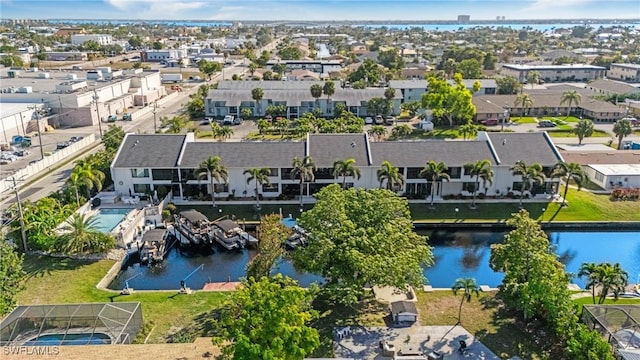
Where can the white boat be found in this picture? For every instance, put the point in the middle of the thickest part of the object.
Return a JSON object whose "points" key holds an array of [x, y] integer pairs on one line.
{"points": [[230, 235], [193, 226], [297, 239], [153, 246]]}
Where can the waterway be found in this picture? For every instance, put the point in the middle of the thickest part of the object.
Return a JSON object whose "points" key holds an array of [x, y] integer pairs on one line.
{"points": [[457, 254]]}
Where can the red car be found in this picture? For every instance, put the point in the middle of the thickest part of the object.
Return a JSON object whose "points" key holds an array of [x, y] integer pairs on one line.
{"points": [[490, 122]]}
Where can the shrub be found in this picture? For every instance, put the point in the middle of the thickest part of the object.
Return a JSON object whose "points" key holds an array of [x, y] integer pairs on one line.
{"points": [[171, 207], [625, 194]]}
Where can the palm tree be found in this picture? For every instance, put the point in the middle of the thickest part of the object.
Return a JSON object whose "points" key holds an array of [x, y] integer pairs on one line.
{"points": [[401, 131], [316, 92], [224, 133], [377, 131], [530, 175], [449, 67], [584, 128], [622, 128], [80, 234], [570, 97], [525, 101], [614, 279], [261, 176], [175, 124], [468, 130], [304, 169], [533, 77], [469, 287], [389, 95], [434, 172], [83, 174], [571, 171], [590, 270], [480, 170], [213, 170], [346, 168], [257, 94], [329, 89], [391, 175]]}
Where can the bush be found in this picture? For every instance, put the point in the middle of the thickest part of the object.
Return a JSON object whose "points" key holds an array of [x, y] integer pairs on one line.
{"points": [[146, 329], [171, 207], [625, 194]]}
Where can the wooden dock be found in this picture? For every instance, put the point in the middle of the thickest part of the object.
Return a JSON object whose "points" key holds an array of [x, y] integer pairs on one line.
{"points": [[221, 286]]}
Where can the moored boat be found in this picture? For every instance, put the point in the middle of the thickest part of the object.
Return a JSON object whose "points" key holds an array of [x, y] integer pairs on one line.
{"points": [[193, 226], [153, 247], [231, 236]]}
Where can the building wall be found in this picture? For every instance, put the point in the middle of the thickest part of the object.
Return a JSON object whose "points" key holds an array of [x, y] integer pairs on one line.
{"points": [[605, 181], [101, 39], [624, 72], [14, 124], [556, 75]]}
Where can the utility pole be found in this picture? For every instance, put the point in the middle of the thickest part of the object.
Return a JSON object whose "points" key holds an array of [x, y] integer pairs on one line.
{"points": [[154, 111], [95, 100], [38, 117], [23, 234]]}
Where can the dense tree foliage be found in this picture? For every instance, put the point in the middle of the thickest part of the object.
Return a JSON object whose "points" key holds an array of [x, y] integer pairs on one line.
{"points": [[508, 85], [11, 274], [361, 237], [451, 103], [81, 235], [290, 53], [368, 73], [268, 319], [584, 128], [588, 344], [391, 59], [470, 69], [272, 234]]}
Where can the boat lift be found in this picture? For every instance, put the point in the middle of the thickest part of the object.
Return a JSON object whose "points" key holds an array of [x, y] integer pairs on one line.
{"points": [[183, 283], [127, 290]]}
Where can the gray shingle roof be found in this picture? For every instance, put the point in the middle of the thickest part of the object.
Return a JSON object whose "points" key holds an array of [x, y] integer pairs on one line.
{"points": [[328, 148], [161, 151], [417, 153], [293, 97], [612, 86], [269, 85], [528, 147], [243, 154], [399, 307]]}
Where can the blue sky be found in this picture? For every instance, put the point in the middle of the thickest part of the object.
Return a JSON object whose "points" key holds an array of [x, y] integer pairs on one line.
{"points": [[317, 9]]}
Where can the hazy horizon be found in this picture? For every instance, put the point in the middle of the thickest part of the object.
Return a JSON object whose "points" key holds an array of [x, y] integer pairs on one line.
{"points": [[319, 10]]}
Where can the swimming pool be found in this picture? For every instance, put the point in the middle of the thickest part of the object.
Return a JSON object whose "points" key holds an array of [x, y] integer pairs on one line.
{"points": [[69, 339], [108, 219]]}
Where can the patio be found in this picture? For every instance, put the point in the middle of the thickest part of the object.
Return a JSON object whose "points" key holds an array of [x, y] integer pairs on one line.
{"points": [[364, 343]]}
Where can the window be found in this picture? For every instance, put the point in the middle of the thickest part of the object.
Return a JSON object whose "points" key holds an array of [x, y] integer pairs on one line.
{"points": [[273, 171], [270, 188], [164, 174], [286, 173], [455, 172], [139, 173], [599, 176], [221, 188], [469, 186], [413, 173], [141, 188]]}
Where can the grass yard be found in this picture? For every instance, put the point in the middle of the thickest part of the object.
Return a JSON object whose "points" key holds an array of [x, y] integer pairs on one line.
{"points": [[486, 319], [569, 119], [446, 133], [523, 120], [53, 280], [562, 132], [257, 136]]}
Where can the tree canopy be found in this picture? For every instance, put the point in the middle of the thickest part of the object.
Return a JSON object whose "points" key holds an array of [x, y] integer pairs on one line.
{"points": [[268, 319], [368, 72], [11, 274], [449, 102], [361, 237]]}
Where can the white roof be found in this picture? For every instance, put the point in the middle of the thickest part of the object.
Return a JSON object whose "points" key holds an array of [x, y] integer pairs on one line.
{"points": [[8, 109], [617, 169]]}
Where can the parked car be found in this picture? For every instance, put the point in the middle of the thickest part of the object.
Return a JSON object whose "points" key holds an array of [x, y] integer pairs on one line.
{"points": [[546, 123], [389, 120], [75, 138], [126, 117], [490, 122], [368, 120], [379, 119], [112, 118], [237, 121], [228, 120], [62, 145], [207, 121]]}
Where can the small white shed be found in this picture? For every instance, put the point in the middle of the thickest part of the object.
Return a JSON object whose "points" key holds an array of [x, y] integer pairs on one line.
{"points": [[404, 312]]}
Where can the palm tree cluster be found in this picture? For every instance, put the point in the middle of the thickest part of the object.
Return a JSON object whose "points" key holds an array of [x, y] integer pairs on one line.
{"points": [[606, 277], [85, 176], [212, 170]]}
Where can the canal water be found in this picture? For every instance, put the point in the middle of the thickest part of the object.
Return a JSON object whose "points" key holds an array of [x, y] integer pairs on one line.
{"points": [[456, 253]]}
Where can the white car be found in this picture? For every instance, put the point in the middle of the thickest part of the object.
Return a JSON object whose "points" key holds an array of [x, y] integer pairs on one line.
{"points": [[368, 120], [228, 120]]}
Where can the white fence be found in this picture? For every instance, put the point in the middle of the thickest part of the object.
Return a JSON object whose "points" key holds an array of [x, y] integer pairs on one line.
{"points": [[48, 161]]}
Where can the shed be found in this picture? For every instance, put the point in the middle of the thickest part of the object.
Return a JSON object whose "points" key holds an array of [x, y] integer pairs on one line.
{"points": [[404, 311]]}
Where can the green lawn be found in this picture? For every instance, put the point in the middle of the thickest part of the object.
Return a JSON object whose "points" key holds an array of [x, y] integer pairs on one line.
{"points": [[523, 119], [569, 119], [565, 131], [609, 301], [257, 136], [53, 281], [583, 206], [437, 133]]}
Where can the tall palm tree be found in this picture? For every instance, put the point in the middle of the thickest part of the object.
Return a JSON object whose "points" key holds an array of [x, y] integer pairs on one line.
{"points": [[570, 97], [316, 92], [391, 175], [584, 128], [622, 128], [83, 174], [80, 234], [175, 124], [613, 279], [346, 168], [434, 172], [260, 176], [533, 77], [257, 94], [570, 171], [213, 170], [525, 101], [590, 270], [480, 170], [469, 287], [304, 169], [530, 174], [329, 89]]}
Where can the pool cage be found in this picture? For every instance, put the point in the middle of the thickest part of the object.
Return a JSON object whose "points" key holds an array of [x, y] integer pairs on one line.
{"points": [[72, 324], [617, 323]]}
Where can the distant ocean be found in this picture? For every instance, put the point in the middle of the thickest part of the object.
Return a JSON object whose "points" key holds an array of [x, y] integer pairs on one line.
{"points": [[430, 27]]}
